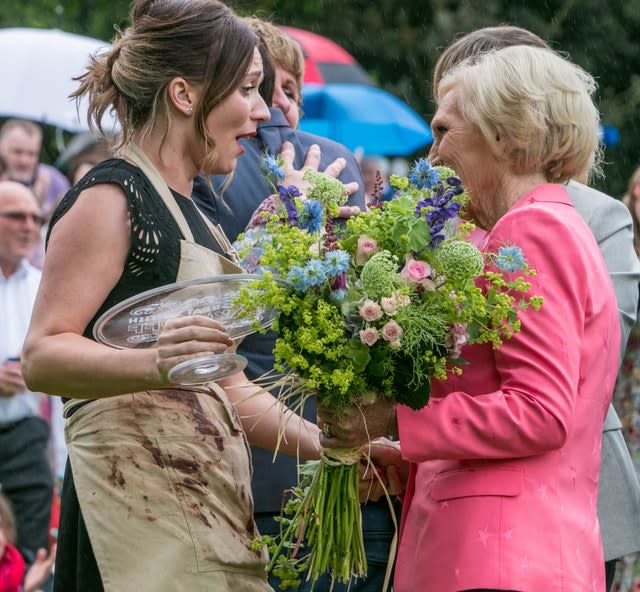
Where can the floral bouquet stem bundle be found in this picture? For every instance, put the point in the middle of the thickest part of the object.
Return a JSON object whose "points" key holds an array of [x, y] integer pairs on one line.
{"points": [[377, 308]]}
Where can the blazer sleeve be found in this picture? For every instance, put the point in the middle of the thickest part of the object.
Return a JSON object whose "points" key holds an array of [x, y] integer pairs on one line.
{"points": [[613, 229], [538, 370]]}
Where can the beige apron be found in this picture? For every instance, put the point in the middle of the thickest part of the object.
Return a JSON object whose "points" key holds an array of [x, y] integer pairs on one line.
{"points": [[164, 477]]}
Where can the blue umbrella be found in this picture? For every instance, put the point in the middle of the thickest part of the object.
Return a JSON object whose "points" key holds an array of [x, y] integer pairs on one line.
{"points": [[363, 117]]}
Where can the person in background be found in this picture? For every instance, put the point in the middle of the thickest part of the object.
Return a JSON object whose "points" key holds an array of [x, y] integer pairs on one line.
{"points": [[612, 227], [85, 151], [20, 145], [627, 399], [504, 460], [632, 200], [13, 574], [151, 461], [25, 471], [247, 189]]}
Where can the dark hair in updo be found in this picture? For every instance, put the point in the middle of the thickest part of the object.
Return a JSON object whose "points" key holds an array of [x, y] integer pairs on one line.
{"points": [[202, 41]]}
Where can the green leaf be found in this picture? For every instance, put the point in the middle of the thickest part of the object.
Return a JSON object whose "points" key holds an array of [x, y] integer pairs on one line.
{"points": [[359, 354]]}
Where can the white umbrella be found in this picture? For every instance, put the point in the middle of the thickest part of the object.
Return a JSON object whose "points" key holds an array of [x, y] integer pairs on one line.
{"points": [[37, 71]]}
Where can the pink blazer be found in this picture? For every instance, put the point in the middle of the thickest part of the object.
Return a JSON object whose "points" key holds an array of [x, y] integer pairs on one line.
{"points": [[505, 458]]}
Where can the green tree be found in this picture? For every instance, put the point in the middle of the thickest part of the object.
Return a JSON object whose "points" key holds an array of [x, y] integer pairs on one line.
{"points": [[93, 18]]}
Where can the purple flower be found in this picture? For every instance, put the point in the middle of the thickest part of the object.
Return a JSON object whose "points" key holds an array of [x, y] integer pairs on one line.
{"points": [[286, 197], [438, 209]]}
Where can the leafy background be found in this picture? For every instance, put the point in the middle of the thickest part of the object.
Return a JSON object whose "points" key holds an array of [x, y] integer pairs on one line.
{"points": [[398, 41]]}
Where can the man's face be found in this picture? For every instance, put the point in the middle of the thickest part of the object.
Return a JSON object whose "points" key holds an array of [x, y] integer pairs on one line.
{"points": [[21, 151], [20, 223]]}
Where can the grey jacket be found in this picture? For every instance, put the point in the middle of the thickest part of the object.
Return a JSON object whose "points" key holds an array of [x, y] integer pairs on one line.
{"points": [[619, 493]]}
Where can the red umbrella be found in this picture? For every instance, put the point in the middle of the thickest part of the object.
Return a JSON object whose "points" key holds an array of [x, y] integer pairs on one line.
{"points": [[325, 61]]}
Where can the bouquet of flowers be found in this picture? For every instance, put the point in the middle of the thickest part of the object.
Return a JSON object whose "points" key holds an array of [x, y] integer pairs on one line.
{"points": [[373, 308]]}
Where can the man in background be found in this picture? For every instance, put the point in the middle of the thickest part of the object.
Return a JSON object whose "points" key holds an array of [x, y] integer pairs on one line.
{"points": [[20, 146], [25, 471]]}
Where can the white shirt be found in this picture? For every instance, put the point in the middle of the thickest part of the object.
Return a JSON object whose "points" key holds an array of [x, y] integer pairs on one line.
{"points": [[17, 295]]}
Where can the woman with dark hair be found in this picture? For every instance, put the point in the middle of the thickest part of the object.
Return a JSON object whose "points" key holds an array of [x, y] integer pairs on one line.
{"points": [[157, 492]]}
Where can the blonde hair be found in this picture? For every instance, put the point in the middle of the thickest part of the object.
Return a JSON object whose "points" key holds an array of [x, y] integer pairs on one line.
{"points": [[202, 41], [283, 49], [533, 106]]}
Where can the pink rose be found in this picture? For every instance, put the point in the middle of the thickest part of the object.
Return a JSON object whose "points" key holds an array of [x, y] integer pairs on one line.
{"points": [[401, 299], [391, 331], [456, 339], [416, 271], [366, 247], [370, 311], [369, 336], [389, 305]]}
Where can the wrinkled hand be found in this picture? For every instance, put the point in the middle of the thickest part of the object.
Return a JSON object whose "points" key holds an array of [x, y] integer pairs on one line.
{"points": [[40, 570], [11, 381], [187, 337], [295, 176], [385, 474], [357, 426]]}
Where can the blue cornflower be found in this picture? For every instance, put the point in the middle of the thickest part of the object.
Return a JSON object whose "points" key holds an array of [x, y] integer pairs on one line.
{"points": [[311, 218], [314, 273], [272, 165], [423, 175], [510, 258], [336, 262], [297, 279], [286, 197]]}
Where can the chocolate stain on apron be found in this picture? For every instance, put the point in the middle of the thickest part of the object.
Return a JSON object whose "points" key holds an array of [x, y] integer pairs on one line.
{"points": [[163, 477]]}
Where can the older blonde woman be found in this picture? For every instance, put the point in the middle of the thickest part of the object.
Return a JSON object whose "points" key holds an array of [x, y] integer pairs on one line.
{"points": [[504, 461]]}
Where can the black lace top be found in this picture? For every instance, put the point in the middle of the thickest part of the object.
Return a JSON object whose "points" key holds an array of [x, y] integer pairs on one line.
{"points": [[154, 256]]}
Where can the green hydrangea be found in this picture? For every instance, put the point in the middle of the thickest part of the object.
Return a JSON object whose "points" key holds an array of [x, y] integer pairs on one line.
{"points": [[378, 277], [459, 261], [329, 191]]}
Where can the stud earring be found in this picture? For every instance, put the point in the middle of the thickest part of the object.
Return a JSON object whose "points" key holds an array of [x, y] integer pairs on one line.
{"points": [[189, 110]]}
